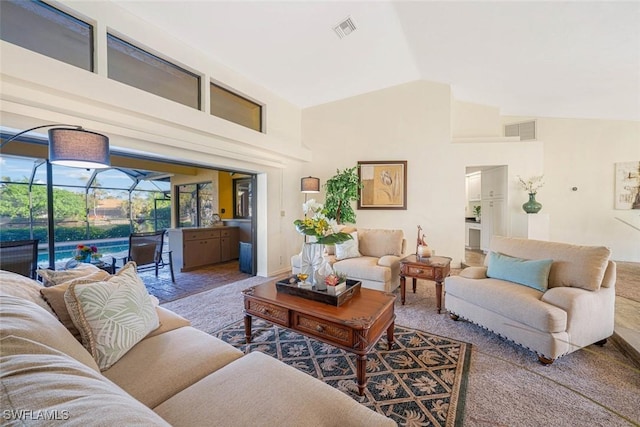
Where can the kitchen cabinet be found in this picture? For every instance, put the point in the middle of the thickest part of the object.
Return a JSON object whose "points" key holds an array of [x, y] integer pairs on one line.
{"points": [[229, 244], [473, 231], [474, 187], [494, 183], [493, 205], [494, 221], [197, 247]]}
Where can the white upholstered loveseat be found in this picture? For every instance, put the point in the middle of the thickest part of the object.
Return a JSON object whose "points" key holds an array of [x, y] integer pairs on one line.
{"points": [[377, 264], [176, 375], [576, 309]]}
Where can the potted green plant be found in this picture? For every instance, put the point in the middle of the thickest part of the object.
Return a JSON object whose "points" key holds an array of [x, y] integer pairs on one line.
{"points": [[476, 212], [341, 190]]}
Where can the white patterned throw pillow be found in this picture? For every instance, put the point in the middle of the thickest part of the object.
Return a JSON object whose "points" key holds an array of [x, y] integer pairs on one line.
{"points": [[112, 316], [349, 248]]}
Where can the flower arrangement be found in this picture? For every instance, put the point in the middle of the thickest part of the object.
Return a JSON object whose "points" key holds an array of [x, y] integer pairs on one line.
{"points": [[317, 224], [85, 251], [531, 185], [334, 279]]}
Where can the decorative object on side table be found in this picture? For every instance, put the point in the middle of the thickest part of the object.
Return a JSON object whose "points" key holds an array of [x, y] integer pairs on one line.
{"points": [[531, 186], [325, 231], [87, 253], [422, 249]]}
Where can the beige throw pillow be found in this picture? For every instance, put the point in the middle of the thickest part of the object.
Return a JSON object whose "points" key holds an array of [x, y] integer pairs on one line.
{"points": [[380, 242], [57, 277], [54, 295], [112, 316]]}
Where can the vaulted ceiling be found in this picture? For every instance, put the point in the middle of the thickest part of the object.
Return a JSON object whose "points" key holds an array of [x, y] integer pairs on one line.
{"points": [[555, 59]]}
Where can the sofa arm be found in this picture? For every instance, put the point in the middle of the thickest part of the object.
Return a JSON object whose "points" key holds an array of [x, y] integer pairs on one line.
{"points": [[389, 260], [474, 273], [590, 314]]}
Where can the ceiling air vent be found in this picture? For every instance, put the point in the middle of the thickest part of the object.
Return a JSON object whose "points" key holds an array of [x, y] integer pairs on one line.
{"points": [[525, 130], [344, 28]]}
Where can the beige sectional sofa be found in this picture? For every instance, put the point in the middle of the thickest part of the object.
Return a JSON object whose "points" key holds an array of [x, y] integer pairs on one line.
{"points": [[574, 310], [377, 260], [176, 375]]}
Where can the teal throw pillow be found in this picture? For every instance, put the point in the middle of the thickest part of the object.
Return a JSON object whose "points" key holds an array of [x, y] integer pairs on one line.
{"points": [[532, 273]]}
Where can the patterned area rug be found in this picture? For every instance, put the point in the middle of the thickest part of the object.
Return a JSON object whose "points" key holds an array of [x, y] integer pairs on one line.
{"points": [[421, 381]]}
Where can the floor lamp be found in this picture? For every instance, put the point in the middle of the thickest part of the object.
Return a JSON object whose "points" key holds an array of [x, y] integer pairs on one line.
{"points": [[70, 145], [308, 185]]}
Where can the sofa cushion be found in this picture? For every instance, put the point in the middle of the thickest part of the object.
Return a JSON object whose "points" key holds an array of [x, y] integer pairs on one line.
{"points": [[168, 322], [379, 242], [22, 318], [266, 392], [348, 249], [112, 316], [43, 382], [519, 303], [13, 284], [172, 362], [532, 273], [56, 277], [363, 268], [575, 266]]}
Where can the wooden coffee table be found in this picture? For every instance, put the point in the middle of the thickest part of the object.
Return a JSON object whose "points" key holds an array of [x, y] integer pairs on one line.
{"points": [[435, 268], [355, 326]]}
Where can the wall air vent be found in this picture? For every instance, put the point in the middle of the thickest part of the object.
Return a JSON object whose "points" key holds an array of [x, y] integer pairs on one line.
{"points": [[525, 130], [345, 27]]}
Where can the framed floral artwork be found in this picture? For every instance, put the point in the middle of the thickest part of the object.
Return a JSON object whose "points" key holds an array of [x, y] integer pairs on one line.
{"points": [[383, 184], [627, 189]]}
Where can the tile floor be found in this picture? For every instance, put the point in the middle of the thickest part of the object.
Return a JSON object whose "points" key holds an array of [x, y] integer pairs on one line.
{"points": [[191, 282]]}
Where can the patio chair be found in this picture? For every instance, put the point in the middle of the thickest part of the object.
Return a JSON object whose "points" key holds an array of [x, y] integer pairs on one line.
{"points": [[145, 249], [20, 257]]}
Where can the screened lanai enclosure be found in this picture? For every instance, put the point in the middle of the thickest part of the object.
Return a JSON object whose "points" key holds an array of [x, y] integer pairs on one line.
{"points": [[64, 207]]}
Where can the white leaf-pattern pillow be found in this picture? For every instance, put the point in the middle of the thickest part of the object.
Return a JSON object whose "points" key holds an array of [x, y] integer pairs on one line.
{"points": [[349, 248], [112, 316]]}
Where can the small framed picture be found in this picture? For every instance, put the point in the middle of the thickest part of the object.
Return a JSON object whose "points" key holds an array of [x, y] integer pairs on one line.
{"points": [[383, 184]]}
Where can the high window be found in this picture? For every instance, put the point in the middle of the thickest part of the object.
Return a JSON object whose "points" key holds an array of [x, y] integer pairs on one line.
{"points": [[135, 67], [36, 26], [230, 106]]}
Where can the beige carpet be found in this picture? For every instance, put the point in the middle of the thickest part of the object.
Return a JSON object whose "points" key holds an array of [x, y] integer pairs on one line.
{"points": [[507, 386]]}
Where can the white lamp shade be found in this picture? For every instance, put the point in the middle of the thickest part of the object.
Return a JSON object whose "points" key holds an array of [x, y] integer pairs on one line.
{"points": [[310, 185], [78, 148]]}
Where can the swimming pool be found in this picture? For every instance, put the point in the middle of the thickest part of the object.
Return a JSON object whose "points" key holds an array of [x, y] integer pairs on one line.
{"points": [[65, 252]]}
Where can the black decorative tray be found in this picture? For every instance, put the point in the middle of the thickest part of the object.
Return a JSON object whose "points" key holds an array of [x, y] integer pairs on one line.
{"points": [[290, 286]]}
